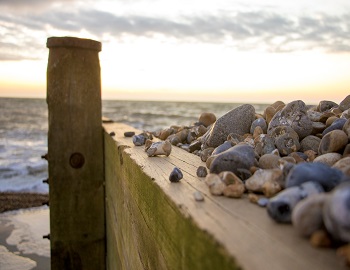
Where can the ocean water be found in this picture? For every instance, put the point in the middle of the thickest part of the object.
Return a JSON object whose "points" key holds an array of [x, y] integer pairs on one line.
{"points": [[24, 125]]}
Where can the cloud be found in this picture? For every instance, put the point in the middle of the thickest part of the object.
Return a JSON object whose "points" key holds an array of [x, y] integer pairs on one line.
{"points": [[261, 30]]}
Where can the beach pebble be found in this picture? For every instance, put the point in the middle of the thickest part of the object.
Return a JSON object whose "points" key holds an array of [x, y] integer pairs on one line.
{"points": [[320, 239], [253, 198], [175, 175], [286, 139], [207, 119], [343, 165], [280, 207], [262, 202], [129, 133], [345, 114], [158, 148], [269, 161], [336, 213], [215, 184], [323, 174], [326, 105], [206, 153], [330, 158], [237, 121], [346, 128], [235, 190], [310, 142], [222, 147], [307, 214], [198, 196], [333, 141], [202, 171], [317, 128], [236, 158], [345, 104], [257, 181], [337, 124], [195, 145], [139, 140], [264, 144], [294, 114], [260, 122]]}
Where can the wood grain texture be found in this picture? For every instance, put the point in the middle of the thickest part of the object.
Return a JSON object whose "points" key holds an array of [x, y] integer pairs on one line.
{"points": [[75, 156], [155, 224]]}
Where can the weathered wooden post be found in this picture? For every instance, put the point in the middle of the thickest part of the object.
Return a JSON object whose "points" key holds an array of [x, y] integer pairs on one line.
{"points": [[75, 154]]}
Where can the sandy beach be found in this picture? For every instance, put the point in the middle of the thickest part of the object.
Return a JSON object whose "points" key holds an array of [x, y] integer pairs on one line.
{"points": [[24, 220]]}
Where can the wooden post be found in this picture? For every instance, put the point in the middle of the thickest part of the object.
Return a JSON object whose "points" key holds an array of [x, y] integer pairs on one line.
{"points": [[75, 154]]}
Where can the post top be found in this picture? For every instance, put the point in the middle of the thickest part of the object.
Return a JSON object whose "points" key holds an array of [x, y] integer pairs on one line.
{"points": [[82, 43]]}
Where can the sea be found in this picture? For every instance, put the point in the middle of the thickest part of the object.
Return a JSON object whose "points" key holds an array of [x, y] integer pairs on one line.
{"points": [[24, 127]]}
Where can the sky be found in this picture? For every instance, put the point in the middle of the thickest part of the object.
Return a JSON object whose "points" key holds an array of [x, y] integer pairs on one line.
{"points": [[190, 50]]}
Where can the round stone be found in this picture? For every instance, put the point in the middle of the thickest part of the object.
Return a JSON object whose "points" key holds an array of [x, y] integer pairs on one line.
{"points": [[334, 141], [207, 118]]}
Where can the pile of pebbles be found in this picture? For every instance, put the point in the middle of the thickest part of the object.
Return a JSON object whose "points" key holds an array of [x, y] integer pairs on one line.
{"points": [[293, 159]]}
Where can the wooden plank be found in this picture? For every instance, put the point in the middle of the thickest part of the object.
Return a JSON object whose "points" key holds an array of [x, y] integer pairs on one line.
{"points": [[158, 224], [75, 155]]}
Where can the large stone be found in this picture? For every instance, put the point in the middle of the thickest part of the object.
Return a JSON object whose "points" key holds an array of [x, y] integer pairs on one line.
{"points": [[325, 175], [294, 114], [334, 141], [238, 120], [236, 159]]}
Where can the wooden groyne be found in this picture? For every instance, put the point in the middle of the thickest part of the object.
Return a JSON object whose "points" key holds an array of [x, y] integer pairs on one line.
{"points": [[113, 207]]}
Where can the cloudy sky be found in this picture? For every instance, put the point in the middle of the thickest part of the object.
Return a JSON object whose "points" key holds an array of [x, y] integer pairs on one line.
{"points": [[222, 50]]}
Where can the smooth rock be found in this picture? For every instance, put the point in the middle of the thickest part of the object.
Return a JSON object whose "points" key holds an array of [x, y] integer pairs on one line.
{"points": [[195, 145], [326, 105], [175, 175], [330, 120], [280, 207], [202, 171], [269, 161], [337, 124], [236, 158], [139, 139], [222, 147], [346, 128], [215, 184], [159, 148], [334, 141], [207, 119], [238, 120], [129, 134], [294, 114], [256, 182], [310, 142], [343, 165], [317, 127], [345, 103], [235, 190], [286, 139], [307, 214], [330, 158], [198, 196], [206, 153], [260, 122], [323, 174], [336, 213]]}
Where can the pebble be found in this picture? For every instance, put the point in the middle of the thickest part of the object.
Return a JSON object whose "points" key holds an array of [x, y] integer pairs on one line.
{"points": [[307, 214], [346, 128], [198, 196], [320, 239], [236, 158], [260, 122], [235, 190], [222, 147], [112, 133], [139, 140], [343, 165], [323, 174], [337, 124], [294, 114], [237, 121], [262, 202], [286, 139], [175, 175], [280, 207], [129, 133], [215, 184], [345, 103], [333, 141], [259, 179], [158, 148], [310, 142], [207, 119], [330, 158], [326, 105], [336, 213], [269, 161], [253, 198], [206, 153], [202, 171], [264, 144]]}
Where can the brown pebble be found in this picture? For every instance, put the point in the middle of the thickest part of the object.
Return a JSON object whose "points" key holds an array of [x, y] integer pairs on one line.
{"points": [[207, 119], [253, 198], [344, 252], [320, 239], [129, 133], [202, 171]]}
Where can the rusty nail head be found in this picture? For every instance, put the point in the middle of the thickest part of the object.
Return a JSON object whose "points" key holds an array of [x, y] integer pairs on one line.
{"points": [[77, 160]]}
